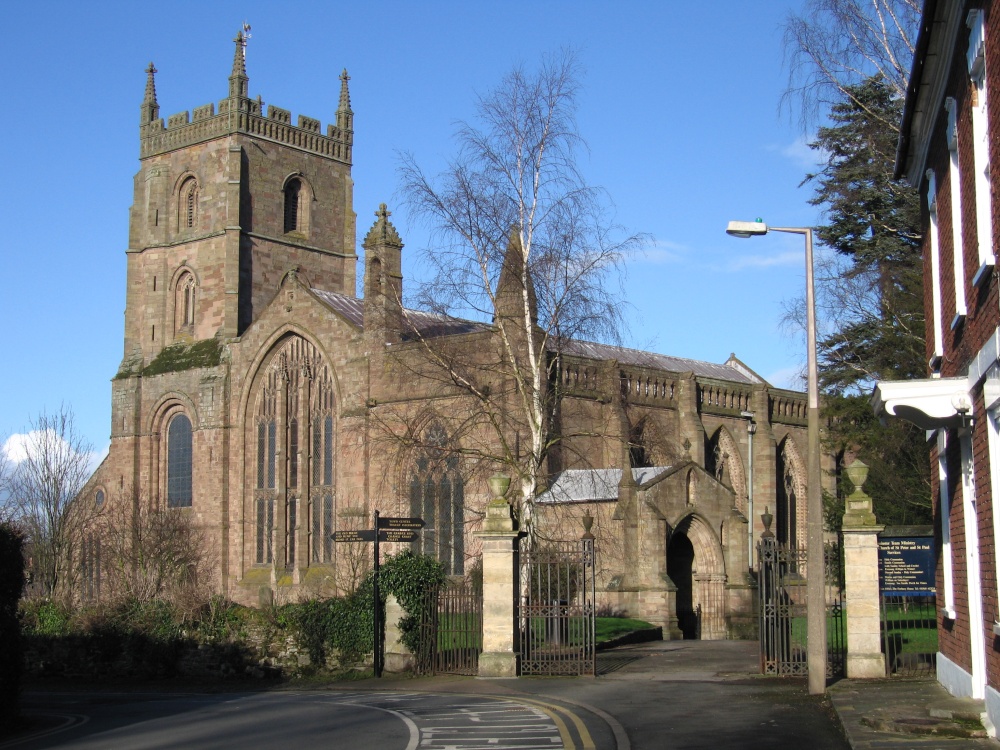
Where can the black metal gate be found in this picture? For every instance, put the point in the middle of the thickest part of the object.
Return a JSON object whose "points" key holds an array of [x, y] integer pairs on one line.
{"points": [[557, 610], [909, 634], [782, 609], [451, 629]]}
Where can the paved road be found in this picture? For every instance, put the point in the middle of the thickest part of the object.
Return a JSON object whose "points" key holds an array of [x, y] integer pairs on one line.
{"points": [[658, 696]]}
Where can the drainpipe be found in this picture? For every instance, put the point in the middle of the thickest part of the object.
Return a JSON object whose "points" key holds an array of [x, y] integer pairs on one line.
{"points": [[751, 429]]}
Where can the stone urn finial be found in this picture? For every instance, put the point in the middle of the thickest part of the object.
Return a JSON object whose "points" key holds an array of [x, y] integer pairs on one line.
{"points": [[859, 504], [498, 484], [767, 518], [499, 513]]}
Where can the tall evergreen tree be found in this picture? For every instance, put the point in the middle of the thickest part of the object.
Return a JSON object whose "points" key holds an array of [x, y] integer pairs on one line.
{"points": [[871, 295]]}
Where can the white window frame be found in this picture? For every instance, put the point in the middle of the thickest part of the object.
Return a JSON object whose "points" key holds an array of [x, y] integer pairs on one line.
{"points": [[935, 272], [991, 398], [974, 584], [947, 563], [955, 183], [980, 145]]}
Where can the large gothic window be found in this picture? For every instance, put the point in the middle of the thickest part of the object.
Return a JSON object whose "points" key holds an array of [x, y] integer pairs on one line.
{"points": [[179, 462], [293, 440], [437, 494]]}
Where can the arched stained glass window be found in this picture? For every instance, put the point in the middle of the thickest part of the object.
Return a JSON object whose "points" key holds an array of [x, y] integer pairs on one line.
{"points": [[179, 462]]}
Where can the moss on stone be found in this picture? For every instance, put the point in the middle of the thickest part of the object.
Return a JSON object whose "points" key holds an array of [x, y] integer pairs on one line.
{"points": [[207, 353]]}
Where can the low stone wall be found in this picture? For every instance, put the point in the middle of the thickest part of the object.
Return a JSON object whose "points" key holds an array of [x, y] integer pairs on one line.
{"points": [[261, 654]]}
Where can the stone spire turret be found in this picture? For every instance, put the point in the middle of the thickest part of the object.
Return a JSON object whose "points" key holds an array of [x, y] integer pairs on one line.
{"points": [[345, 115], [238, 82], [383, 279], [149, 109], [514, 281]]}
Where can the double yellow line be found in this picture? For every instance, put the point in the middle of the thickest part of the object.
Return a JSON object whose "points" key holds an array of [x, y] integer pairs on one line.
{"points": [[553, 712]]}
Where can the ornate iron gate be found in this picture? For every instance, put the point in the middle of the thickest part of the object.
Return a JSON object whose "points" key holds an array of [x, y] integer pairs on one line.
{"points": [[451, 629], [782, 611], [557, 611]]}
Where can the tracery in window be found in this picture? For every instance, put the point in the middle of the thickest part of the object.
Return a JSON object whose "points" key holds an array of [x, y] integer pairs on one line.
{"points": [[179, 462], [293, 434], [437, 494]]}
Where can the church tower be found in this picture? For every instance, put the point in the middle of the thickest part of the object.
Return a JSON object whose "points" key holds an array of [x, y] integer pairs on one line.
{"points": [[226, 201]]}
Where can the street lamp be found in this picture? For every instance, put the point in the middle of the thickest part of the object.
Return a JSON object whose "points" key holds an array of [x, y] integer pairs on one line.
{"points": [[815, 599]]}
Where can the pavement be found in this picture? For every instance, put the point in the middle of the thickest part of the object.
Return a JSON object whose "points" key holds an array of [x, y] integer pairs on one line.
{"points": [[665, 694], [907, 713]]}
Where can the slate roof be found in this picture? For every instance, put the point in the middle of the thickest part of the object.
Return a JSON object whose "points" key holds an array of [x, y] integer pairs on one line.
{"points": [[432, 324], [583, 485]]}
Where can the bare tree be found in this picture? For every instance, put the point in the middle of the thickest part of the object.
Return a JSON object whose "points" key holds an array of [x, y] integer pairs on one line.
{"points": [[834, 45], [43, 486], [522, 241], [147, 552]]}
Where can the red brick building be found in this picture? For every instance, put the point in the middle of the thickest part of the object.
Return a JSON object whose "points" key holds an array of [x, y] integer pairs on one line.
{"points": [[949, 148]]}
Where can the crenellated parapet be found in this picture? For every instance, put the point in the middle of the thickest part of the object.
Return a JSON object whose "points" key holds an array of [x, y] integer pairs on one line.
{"points": [[271, 123], [239, 114]]}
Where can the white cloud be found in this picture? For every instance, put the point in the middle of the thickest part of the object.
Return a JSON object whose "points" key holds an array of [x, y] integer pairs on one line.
{"points": [[18, 446], [663, 251], [765, 261], [800, 154]]}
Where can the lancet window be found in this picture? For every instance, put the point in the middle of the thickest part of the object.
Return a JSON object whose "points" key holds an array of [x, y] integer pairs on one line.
{"points": [[293, 192], [187, 214], [437, 494], [179, 462], [185, 291], [294, 443]]}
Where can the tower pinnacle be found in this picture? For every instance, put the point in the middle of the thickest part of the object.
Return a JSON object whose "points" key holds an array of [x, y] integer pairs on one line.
{"points": [[345, 115], [238, 81], [149, 108]]}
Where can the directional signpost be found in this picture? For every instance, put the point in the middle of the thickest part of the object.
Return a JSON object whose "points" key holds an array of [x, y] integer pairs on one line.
{"points": [[386, 529]]}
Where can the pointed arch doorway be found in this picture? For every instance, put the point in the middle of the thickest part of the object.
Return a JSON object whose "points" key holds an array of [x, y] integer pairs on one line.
{"points": [[695, 565]]}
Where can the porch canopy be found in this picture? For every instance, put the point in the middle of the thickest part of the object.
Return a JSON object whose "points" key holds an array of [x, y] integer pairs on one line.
{"points": [[930, 404]]}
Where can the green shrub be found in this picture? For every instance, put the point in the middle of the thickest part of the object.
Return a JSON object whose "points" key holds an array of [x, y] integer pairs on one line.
{"points": [[343, 624], [44, 617], [410, 578]]}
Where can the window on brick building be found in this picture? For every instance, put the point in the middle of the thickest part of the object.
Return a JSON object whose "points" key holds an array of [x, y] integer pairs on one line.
{"points": [[980, 144], [936, 324], [437, 494], [179, 462], [955, 188]]}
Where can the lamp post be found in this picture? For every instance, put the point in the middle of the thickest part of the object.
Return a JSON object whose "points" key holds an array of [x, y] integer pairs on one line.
{"points": [[815, 598]]}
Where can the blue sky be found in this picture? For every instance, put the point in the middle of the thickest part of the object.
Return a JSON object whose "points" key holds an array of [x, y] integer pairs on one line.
{"points": [[679, 106]]}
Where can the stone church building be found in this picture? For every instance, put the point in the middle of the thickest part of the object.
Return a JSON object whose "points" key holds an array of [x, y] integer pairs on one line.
{"points": [[260, 395]]}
